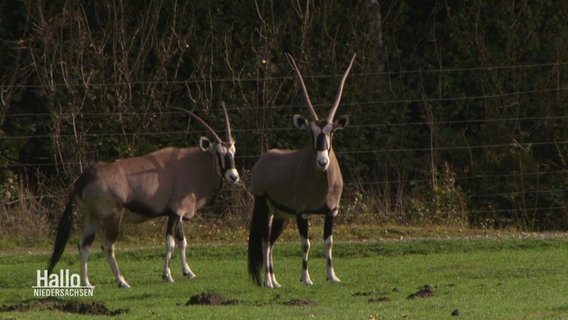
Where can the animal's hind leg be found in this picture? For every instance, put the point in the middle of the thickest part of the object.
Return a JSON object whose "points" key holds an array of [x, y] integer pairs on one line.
{"points": [[111, 225], [269, 280], [328, 243], [182, 244], [170, 244], [89, 230], [266, 248], [277, 227], [173, 221], [174, 234]]}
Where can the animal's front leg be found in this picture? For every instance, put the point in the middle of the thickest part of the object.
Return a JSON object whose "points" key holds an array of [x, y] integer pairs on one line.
{"points": [[302, 223], [328, 243], [182, 244]]}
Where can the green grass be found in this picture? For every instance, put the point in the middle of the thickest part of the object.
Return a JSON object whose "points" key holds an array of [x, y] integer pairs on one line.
{"points": [[511, 278]]}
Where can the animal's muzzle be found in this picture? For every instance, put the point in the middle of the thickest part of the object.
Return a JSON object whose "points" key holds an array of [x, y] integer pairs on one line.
{"points": [[322, 160], [322, 152], [232, 176], [231, 173]]}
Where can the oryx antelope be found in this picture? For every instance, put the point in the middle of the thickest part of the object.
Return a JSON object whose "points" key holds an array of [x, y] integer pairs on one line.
{"points": [[172, 182], [297, 182]]}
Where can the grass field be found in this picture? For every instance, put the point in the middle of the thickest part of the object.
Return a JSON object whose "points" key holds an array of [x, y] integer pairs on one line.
{"points": [[483, 278]]}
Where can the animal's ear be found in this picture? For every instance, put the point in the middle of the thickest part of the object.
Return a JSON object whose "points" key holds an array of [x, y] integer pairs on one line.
{"points": [[300, 122], [205, 144], [341, 122]]}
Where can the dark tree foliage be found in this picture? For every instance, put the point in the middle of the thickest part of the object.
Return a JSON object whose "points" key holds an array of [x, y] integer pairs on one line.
{"points": [[458, 108]]}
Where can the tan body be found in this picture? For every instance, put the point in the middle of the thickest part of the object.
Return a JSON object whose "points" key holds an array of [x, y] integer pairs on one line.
{"points": [[323, 191], [297, 182], [150, 186], [171, 182]]}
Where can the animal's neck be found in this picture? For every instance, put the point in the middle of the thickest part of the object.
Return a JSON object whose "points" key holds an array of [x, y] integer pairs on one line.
{"points": [[218, 179], [326, 185], [214, 173], [310, 158]]}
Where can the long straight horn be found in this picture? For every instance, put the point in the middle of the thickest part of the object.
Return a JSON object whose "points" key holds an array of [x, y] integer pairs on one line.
{"points": [[340, 91], [203, 123], [292, 63], [227, 124]]}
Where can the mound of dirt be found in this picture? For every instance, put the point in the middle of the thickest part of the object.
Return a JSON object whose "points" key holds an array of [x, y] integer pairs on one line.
{"points": [[92, 308], [423, 292], [72, 306], [299, 302], [367, 293], [380, 299], [210, 298]]}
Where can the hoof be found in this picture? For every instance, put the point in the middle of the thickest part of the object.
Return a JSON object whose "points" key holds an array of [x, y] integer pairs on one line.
{"points": [[334, 280], [307, 283], [168, 278], [305, 279]]}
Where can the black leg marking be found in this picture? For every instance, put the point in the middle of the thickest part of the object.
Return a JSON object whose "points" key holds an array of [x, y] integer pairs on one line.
{"points": [[302, 223], [278, 226], [170, 225], [174, 227], [328, 242], [328, 226], [259, 233], [87, 241], [303, 230], [302, 226], [179, 232]]}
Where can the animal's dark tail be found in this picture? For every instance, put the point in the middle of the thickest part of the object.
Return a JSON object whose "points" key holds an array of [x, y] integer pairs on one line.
{"points": [[258, 227], [63, 231]]}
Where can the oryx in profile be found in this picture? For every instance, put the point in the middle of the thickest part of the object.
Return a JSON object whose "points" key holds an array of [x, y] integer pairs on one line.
{"points": [[171, 182], [297, 182]]}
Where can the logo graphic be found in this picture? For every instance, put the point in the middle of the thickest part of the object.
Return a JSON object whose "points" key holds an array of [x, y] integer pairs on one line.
{"points": [[63, 284]]}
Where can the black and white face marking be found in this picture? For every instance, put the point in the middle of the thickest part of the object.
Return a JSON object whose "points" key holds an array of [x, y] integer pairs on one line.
{"points": [[226, 158], [225, 154], [322, 133]]}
